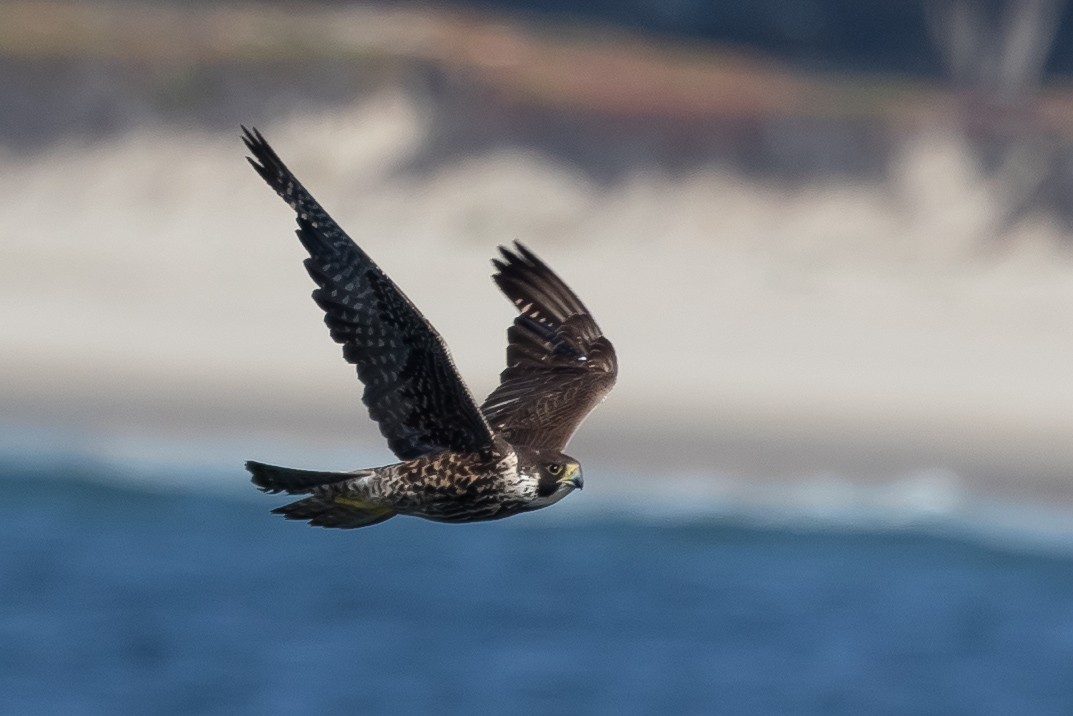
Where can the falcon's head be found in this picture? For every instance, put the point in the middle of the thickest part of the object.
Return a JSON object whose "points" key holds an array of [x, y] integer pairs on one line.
{"points": [[556, 475]]}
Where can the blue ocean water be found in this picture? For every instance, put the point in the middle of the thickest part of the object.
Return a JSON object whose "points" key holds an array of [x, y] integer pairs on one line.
{"points": [[124, 598]]}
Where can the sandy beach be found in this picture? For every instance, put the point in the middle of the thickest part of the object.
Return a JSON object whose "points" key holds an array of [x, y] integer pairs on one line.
{"points": [[150, 282]]}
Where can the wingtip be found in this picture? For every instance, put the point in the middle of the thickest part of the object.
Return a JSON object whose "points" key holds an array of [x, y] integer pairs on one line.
{"points": [[506, 259], [524, 251], [519, 253], [267, 163], [260, 148], [250, 136], [504, 252], [256, 145]]}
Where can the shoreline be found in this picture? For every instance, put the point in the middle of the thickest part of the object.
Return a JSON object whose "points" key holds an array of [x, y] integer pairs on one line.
{"points": [[753, 449], [928, 501], [768, 331]]}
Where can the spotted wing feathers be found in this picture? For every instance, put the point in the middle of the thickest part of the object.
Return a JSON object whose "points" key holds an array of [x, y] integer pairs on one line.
{"points": [[559, 364], [411, 386]]}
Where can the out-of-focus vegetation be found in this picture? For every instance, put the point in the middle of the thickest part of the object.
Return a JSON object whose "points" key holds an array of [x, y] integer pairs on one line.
{"points": [[600, 96]]}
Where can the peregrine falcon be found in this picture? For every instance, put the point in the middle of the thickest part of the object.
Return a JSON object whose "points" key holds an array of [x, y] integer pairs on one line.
{"points": [[457, 462]]}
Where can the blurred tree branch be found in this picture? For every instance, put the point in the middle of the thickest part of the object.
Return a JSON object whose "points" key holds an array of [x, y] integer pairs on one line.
{"points": [[997, 47], [995, 52]]}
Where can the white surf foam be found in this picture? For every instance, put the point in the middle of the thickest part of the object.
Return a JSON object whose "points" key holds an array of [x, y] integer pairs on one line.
{"points": [[935, 501]]}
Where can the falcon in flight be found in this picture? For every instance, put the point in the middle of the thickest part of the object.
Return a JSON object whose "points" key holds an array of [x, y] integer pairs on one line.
{"points": [[457, 462]]}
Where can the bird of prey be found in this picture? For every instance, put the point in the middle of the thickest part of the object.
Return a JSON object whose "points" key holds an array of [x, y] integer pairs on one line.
{"points": [[457, 462]]}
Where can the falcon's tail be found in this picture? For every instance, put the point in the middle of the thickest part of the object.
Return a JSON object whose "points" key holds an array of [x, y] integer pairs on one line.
{"points": [[328, 507], [272, 478]]}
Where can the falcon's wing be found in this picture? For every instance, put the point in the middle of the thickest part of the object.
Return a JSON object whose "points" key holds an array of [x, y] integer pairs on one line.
{"points": [[411, 386], [559, 365]]}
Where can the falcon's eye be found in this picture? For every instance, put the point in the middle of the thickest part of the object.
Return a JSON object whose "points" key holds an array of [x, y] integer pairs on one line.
{"points": [[554, 469]]}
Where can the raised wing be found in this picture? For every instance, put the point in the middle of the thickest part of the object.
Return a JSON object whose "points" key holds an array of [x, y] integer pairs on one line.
{"points": [[411, 386], [559, 365]]}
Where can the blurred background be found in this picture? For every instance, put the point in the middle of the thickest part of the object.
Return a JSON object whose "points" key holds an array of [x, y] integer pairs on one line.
{"points": [[832, 241]]}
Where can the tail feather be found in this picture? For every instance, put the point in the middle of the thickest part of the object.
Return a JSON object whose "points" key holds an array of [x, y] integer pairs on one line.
{"points": [[333, 504], [274, 479]]}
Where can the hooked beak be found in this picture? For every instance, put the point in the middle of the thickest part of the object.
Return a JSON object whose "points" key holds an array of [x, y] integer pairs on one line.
{"points": [[573, 477]]}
